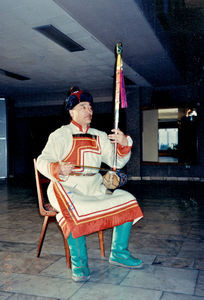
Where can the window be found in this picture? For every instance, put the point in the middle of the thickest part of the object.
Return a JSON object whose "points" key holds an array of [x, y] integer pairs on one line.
{"points": [[169, 135], [168, 144]]}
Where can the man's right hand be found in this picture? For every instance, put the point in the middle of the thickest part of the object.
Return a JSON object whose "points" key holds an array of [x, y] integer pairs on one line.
{"points": [[66, 168]]}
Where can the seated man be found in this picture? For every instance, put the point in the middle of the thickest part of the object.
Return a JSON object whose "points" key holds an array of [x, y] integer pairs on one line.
{"points": [[77, 192]]}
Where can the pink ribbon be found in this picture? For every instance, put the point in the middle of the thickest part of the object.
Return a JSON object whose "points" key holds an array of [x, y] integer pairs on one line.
{"points": [[122, 91]]}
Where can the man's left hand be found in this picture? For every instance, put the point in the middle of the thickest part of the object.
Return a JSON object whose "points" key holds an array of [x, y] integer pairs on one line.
{"points": [[118, 137]]}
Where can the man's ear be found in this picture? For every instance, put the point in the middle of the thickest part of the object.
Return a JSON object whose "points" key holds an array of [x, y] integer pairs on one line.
{"points": [[71, 113]]}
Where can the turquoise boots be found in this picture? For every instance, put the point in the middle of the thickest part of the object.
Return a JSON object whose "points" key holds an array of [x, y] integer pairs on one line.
{"points": [[79, 259], [120, 254]]}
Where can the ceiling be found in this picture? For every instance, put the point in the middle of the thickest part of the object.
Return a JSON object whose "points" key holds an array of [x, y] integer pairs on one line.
{"points": [[162, 44]]}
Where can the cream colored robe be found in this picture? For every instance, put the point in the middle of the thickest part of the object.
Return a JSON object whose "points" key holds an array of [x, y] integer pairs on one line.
{"points": [[82, 202]]}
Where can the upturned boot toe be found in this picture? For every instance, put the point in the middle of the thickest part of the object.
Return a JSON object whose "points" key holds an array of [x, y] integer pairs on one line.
{"points": [[125, 261]]}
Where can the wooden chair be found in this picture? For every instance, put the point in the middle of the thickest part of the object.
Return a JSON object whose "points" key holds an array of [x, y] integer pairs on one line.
{"points": [[49, 214]]}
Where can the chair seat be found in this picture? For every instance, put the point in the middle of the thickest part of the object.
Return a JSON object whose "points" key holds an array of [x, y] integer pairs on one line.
{"points": [[49, 207]]}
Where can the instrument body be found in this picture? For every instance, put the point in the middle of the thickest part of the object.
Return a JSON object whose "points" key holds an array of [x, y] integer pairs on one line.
{"points": [[114, 179]]}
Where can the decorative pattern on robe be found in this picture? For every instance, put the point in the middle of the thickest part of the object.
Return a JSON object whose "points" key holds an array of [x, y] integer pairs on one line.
{"points": [[82, 202]]}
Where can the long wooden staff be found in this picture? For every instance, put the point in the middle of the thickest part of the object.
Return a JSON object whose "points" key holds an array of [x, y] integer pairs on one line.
{"points": [[119, 94]]}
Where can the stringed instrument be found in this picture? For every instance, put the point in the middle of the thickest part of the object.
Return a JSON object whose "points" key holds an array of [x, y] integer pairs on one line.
{"points": [[115, 178]]}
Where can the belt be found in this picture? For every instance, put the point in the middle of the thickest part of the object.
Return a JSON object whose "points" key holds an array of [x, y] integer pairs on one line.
{"points": [[81, 174]]}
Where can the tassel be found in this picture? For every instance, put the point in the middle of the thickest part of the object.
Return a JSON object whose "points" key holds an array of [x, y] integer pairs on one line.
{"points": [[122, 91]]}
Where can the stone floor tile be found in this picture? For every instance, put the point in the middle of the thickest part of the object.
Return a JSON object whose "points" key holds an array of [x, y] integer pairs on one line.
{"points": [[192, 245], [52, 247], [170, 296], [111, 275], [167, 279], [197, 232], [58, 269], [200, 285], [197, 253], [5, 296], [33, 224], [93, 291], [147, 259], [19, 262], [99, 269], [43, 286], [164, 228], [153, 246], [193, 249], [199, 264], [29, 297], [22, 235], [6, 280], [174, 262], [16, 247], [96, 253], [135, 236]]}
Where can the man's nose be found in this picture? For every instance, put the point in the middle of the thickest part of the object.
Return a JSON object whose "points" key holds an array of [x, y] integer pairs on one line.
{"points": [[90, 110]]}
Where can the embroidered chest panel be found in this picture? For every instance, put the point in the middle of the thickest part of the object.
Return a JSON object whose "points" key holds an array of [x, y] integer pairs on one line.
{"points": [[83, 144]]}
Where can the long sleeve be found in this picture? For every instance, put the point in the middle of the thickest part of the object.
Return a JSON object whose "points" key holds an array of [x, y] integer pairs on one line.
{"points": [[123, 153], [58, 145]]}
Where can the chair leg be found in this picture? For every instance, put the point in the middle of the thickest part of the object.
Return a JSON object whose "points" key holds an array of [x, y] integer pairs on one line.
{"points": [[68, 257], [42, 235], [101, 243]]}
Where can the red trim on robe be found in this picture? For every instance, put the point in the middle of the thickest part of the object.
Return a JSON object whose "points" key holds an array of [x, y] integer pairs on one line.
{"points": [[123, 150], [79, 126], [80, 146], [94, 223], [54, 170]]}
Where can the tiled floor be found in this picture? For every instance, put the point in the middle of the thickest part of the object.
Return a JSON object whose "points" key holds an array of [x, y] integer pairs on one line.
{"points": [[170, 240]]}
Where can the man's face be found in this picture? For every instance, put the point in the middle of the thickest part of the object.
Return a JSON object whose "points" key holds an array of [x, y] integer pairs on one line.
{"points": [[82, 113]]}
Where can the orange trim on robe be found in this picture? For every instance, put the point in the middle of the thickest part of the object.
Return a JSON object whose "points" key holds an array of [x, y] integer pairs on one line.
{"points": [[79, 126], [123, 150], [80, 146], [99, 220], [54, 170]]}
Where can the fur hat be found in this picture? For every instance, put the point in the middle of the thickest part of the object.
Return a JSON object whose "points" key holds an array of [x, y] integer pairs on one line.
{"points": [[76, 97]]}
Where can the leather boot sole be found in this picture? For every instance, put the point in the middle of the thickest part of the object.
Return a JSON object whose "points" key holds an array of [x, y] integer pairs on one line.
{"points": [[80, 279], [140, 266]]}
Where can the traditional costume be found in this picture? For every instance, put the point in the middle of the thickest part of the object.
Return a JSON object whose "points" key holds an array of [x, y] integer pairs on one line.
{"points": [[81, 199]]}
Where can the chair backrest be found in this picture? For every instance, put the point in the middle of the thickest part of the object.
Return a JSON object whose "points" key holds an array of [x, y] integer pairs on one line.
{"points": [[40, 179]]}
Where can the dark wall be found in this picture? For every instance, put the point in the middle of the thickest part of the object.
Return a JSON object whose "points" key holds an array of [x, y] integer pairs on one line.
{"points": [[28, 132], [133, 129]]}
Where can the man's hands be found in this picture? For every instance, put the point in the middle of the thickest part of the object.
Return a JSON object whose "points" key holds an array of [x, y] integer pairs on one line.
{"points": [[66, 168], [118, 137]]}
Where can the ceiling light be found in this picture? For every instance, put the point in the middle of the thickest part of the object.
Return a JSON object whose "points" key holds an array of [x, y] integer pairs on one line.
{"points": [[13, 75], [59, 38]]}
